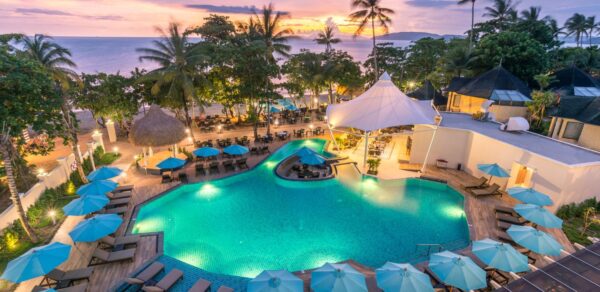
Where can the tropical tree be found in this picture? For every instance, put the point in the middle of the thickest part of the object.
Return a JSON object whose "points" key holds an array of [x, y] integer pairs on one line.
{"points": [[179, 63], [327, 38], [531, 14], [390, 58], [463, 2], [57, 60], [29, 99], [371, 11], [592, 26], [268, 28], [502, 13], [577, 26]]}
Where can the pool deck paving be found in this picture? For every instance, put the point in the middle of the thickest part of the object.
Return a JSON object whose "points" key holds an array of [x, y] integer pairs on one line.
{"points": [[479, 211]]}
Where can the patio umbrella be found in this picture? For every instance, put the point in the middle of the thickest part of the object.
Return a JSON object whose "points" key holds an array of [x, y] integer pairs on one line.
{"points": [[96, 188], [104, 172], [312, 159], [36, 262], [235, 150], [274, 109], [304, 151], [85, 205], [493, 170], [530, 196], [538, 215], [458, 271], [95, 228], [337, 278], [206, 152], [500, 256], [402, 277], [276, 281], [535, 240], [171, 163]]}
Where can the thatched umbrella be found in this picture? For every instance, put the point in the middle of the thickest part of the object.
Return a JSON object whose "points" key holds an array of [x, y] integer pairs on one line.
{"points": [[157, 129]]}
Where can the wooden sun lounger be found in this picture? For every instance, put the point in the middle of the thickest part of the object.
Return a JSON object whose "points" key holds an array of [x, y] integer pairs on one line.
{"points": [[492, 190], [112, 241], [124, 188], [480, 183], [510, 219], [64, 278], [166, 282], [101, 256], [119, 195], [76, 288], [224, 289], [118, 211], [118, 202], [146, 275], [200, 286]]}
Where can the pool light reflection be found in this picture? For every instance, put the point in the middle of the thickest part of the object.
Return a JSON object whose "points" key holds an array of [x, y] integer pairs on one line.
{"points": [[208, 191]]}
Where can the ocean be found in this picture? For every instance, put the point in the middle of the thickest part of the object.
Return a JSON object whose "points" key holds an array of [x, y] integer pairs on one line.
{"points": [[117, 54]]}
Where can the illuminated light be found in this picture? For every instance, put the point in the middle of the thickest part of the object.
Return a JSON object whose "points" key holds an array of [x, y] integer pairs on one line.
{"points": [[187, 130], [454, 212], [150, 225], [208, 191], [41, 171], [109, 122], [136, 157], [316, 100], [52, 215], [270, 164], [311, 126], [189, 139], [116, 149], [96, 132]]}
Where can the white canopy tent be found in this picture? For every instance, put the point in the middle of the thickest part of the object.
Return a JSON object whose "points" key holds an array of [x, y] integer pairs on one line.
{"points": [[382, 106]]}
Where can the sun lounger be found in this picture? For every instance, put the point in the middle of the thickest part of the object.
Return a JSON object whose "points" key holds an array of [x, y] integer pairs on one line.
{"points": [[146, 275], [76, 288], [200, 286], [506, 210], [118, 202], [228, 165], [112, 241], [480, 183], [118, 211], [183, 177], [510, 219], [62, 279], [492, 274], [200, 169], [224, 289], [492, 190], [166, 282], [119, 195], [242, 163], [101, 256], [213, 167], [166, 178], [124, 188]]}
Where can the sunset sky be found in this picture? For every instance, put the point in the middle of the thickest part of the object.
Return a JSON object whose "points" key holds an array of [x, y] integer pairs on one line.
{"points": [[139, 17]]}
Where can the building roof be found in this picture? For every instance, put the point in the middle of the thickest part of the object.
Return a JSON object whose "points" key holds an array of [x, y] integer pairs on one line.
{"points": [[582, 108], [457, 83], [157, 128], [428, 92], [569, 78], [542, 145], [495, 79]]}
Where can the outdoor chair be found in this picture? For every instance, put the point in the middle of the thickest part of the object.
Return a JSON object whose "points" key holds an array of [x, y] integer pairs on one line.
{"points": [[200, 169], [480, 183], [76, 288], [492, 190], [510, 219], [254, 150], [242, 163], [224, 289], [101, 256], [125, 188], [183, 178], [213, 167], [146, 275], [228, 165], [166, 282], [166, 178], [119, 195], [60, 278], [265, 149], [200, 286], [118, 211], [114, 203], [121, 241]]}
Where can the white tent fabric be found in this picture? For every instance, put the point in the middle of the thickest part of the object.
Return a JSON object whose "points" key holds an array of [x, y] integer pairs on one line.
{"points": [[517, 124], [382, 106]]}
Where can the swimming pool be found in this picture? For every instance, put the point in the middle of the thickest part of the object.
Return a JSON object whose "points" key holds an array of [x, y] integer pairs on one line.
{"points": [[254, 221]]}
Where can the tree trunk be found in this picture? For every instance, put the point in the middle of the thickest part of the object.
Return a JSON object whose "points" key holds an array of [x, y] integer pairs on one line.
{"points": [[6, 149], [187, 118], [374, 48], [472, 25], [72, 133], [331, 99]]}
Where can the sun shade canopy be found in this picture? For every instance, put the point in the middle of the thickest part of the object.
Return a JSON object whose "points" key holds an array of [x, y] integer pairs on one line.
{"points": [[382, 106]]}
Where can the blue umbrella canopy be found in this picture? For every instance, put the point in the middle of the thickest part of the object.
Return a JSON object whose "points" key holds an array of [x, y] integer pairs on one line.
{"points": [[274, 109], [535, 240], [493, 169], [458, 271], [85, 205], [95, 228], [312, 159], [500, 256], [36, 262], [206, 152], [402, 277], [337, 278], [530, 196], [171, 163], [104, 172], [96, 188], [276, 281], [538, 215], [235, 150], [304, 151]]}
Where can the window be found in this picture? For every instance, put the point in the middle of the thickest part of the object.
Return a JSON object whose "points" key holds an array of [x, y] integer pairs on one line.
{"points": [[573, 130], [456, 100]]}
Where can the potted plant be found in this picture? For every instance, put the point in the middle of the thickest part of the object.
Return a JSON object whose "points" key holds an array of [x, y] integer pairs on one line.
{"points": [[373, 165]]}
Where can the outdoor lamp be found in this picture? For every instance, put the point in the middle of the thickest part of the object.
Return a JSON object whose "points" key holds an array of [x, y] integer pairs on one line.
{"points": [[52, 215]]}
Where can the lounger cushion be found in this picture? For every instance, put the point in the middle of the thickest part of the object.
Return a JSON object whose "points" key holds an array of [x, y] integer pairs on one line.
{"points": [[134, 281], [200, 286]]}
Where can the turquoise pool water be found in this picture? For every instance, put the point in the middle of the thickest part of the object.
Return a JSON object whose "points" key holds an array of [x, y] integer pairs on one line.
{"points": [[254, 221]]}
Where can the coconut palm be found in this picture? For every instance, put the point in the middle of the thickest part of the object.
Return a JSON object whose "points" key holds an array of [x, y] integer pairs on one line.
{"points": [[553, 25], [179, 62], [57, 60], [592, 26], [577, 26], [531, 14], [327, 38], [267, 25], [371, 11], [462, 2], [501, 11]]}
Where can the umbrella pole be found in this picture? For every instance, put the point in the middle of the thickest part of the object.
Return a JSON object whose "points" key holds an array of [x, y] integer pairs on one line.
{"points": [[366, 149], [428, 150], [333, 138]]}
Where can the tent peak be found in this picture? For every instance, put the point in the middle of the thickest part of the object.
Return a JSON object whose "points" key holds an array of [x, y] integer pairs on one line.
{"points": [[385, 76]]}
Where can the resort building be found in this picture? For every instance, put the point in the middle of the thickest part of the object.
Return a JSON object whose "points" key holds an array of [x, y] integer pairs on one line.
{"points": [[577, 117], [506, 93], [429, 92]]}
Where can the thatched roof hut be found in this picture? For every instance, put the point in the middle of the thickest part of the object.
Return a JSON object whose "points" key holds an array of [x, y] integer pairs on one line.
{"points": [[156, 129]]}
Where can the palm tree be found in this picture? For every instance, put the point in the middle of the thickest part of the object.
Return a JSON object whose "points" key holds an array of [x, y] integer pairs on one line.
{"points": [[553, 25], [577, 25], [371, 11], [462, 2], [326, 37], [592, 26], [178, 61], [267, 25], [502, 11], [532, 14], [57, 60]]}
